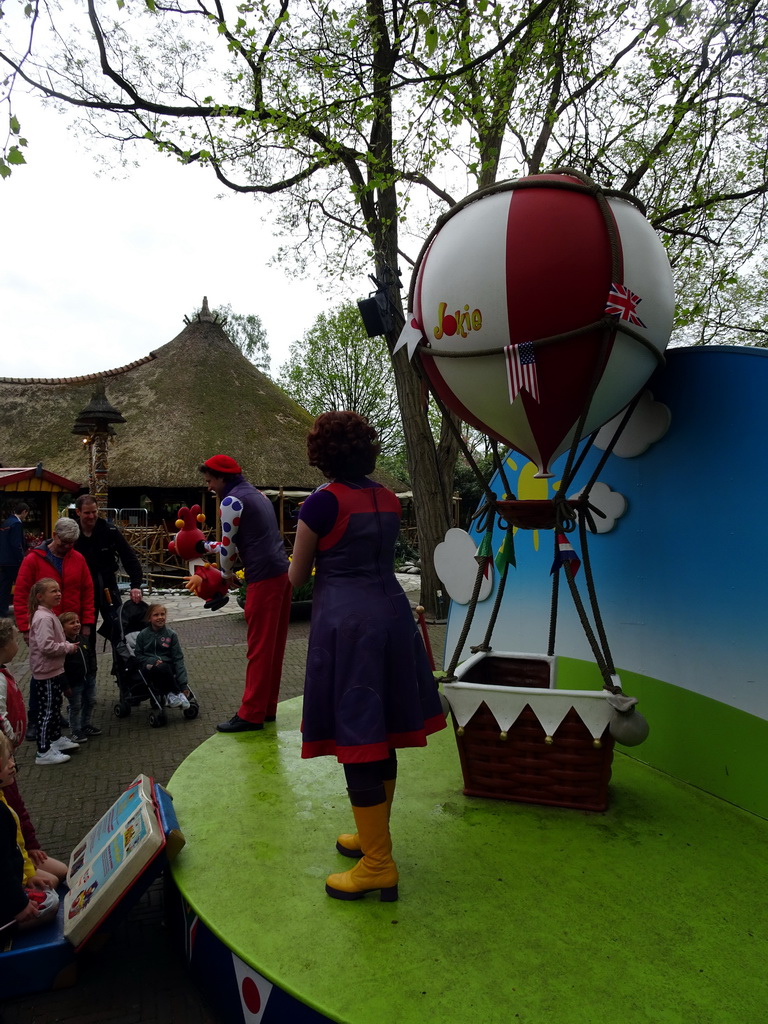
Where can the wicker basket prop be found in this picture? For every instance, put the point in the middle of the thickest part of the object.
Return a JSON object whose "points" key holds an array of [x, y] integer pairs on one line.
{"points": [[521, 739]]}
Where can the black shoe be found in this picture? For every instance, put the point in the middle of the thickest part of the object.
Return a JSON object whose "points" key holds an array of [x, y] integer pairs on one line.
{"points": [[216, 602], [238, 724], [91, 730], [270, 718]]}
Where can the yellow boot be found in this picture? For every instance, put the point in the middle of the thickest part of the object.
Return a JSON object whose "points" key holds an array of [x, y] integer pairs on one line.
{"points": [[375, 871], [349, 843]]}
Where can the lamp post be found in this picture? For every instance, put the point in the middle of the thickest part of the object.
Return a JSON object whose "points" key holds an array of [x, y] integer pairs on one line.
{"points": [[95, 424]]}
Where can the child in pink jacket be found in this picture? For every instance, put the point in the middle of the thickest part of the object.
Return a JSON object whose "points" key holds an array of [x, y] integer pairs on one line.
{"points": [[47, 650]]}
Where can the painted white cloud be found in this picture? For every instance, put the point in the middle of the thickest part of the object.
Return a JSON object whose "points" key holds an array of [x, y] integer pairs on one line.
{"points": [[649, 423], [612, 504], [456, 566]]}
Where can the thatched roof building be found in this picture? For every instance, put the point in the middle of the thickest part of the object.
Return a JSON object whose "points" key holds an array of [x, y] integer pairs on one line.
{"points": [[193, 397]]}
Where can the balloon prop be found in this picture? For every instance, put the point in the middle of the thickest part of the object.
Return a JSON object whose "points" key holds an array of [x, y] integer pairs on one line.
{"points": [[540, 307], [205, 580]]}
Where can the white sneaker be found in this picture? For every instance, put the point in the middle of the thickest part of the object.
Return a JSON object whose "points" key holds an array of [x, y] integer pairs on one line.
{"points": [[52, 756], [172, 700], [184, 702], [64, 743]]}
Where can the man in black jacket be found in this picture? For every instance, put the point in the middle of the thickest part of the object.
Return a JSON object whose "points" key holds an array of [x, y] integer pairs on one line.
{"points": [[13, 547], [103, 547]]}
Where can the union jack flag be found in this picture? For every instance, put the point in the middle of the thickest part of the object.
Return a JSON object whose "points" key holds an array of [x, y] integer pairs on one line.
{"points": [[623, 303], [565, 553], [521, 370]]}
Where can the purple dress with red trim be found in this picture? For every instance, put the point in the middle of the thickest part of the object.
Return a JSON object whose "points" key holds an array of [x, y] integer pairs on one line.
{"points": [[369, 687]]}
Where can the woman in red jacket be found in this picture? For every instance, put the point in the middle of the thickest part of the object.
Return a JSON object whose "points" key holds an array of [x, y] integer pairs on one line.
{"points": [[57, 559]]}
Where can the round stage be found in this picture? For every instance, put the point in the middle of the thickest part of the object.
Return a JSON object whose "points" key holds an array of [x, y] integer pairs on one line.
{"points": [[650, 913]]}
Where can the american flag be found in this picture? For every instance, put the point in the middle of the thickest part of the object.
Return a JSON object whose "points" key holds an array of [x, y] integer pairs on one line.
{"points": [[623, 303], [565, 553], [521, 370]]}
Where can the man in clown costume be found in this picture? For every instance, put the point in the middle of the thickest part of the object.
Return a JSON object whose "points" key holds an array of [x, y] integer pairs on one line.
{"points": [[249, 529]]}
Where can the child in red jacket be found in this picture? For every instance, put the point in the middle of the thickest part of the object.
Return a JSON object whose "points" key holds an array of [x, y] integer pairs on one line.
{"points": [[26, 899]]}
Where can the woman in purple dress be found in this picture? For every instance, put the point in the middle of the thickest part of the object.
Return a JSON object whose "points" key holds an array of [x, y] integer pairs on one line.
{"points": [[369, 688]]}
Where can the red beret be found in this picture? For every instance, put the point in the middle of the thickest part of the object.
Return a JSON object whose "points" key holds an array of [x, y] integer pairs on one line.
{"points": [[222, 464]]}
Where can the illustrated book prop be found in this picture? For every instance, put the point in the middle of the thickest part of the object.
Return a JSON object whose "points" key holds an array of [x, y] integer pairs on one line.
{"points": [[109, 871], [124, 851]]}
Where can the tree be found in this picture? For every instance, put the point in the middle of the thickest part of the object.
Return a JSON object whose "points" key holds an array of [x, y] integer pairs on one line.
{"points": [[736, 312], [337, 366], [361, 119], [243, 329]]}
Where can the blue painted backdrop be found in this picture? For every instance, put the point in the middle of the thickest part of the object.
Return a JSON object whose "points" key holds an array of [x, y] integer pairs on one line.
{"points": [[681, 578]]}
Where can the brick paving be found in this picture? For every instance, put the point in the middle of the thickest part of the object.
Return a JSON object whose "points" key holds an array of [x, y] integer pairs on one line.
{"points": [[139, 975]]}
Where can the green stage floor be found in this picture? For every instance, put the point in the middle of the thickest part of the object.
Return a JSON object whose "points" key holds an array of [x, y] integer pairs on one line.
{"points": [[652, 913]]}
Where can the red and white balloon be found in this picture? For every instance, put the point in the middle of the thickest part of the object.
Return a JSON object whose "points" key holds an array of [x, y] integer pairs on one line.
{"points": [[527, 263]]}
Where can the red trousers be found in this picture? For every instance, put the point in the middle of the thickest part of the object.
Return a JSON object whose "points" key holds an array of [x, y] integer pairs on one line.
{"points": [[267, 610]]}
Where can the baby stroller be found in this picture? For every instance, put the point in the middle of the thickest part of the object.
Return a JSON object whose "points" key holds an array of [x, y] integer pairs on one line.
{"points": [[131, 682]]}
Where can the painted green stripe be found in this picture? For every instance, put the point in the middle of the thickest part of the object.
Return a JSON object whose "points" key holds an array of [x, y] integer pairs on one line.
{"points": [[699, 740]]}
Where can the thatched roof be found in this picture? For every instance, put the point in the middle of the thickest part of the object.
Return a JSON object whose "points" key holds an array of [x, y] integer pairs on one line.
{"points": [[194, 397]]}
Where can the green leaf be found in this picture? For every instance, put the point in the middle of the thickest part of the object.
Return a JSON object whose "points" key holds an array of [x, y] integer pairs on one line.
{"points": [[430, 37], [15, 156], [15, 127]]}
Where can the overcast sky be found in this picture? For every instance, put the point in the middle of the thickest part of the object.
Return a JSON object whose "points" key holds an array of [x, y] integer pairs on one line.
{"points": [[97, 272]]}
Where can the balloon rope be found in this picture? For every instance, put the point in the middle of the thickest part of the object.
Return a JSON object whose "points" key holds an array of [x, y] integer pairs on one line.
{"points": [[612, 443], [582, 503], [599, 626], [586, 626], [471, 608], [489, 494], [584, 452], [486, 644], [585, 520], [449, 672], [600, 647], [485, 516], [605, 322], [553, 605], [499, 464]]}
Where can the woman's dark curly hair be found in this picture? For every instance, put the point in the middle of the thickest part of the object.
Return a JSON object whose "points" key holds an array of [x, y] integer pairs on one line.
{"points": [[342, 445]]}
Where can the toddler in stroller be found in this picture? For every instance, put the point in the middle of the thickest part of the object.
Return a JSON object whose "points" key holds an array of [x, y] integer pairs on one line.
{"points": [[150, 664]]}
